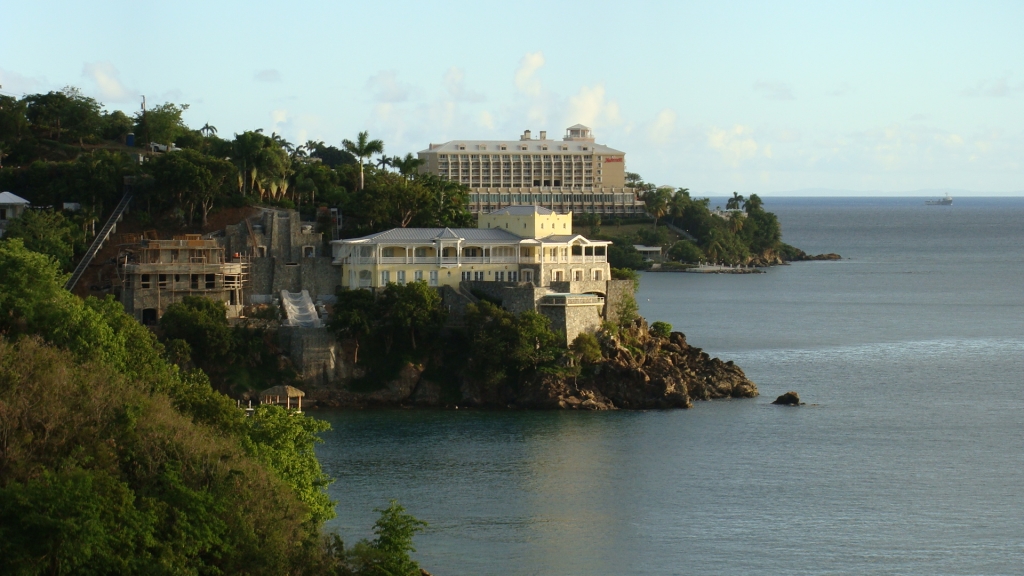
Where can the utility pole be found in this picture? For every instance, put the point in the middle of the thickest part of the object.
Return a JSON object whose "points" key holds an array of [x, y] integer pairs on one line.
{"points": [[145, 125]]}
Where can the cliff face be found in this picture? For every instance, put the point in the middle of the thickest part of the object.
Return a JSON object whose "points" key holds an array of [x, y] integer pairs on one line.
{"points": [[640, 370], [637, 370]]}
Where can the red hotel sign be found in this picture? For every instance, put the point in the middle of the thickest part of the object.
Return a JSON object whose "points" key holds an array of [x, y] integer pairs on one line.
{"points": [[619, 159]]}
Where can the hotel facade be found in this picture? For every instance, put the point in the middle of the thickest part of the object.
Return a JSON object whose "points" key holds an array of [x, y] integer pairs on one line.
{"points": [[573, 174]]}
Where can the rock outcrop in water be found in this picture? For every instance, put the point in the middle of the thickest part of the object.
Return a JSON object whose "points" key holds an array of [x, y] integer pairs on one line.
{"points": [[636, 370], [788, 399]]}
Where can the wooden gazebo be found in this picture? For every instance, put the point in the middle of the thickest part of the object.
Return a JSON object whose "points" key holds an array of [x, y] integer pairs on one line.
{"points": [[282, 395]]}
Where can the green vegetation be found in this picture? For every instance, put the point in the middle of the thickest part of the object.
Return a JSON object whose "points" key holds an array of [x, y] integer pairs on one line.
{"points": [[63, 147], [662, 329], [117, 461], [389, 329], [48, 233], [744, 234]]}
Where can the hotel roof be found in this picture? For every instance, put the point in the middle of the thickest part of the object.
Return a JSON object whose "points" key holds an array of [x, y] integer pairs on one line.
{"points": [[512, 146]]}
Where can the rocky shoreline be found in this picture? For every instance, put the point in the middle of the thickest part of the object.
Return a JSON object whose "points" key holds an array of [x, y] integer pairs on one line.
{"points": [[637, 370]]}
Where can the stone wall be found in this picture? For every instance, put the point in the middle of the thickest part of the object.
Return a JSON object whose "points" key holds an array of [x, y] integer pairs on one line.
{"points": [[315, 354], [572, 320], [580, 287], [455, 303], [516, 297], [618, 290]]}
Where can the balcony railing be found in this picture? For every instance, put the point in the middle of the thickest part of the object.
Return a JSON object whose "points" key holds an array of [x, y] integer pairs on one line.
{"points": [[454, 260]]}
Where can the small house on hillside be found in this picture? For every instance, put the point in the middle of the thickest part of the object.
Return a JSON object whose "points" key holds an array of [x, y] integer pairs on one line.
{"points": [[11, 207]]}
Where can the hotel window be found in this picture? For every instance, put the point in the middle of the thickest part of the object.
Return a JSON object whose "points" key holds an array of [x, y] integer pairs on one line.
{"points": [[421, 252], [418, 276], [597, 274], [401, 276], [433, 277], [499, 276], [527, 275], [513, 276], [385, 277], [478, 275], [467, 275], [577, 275]]}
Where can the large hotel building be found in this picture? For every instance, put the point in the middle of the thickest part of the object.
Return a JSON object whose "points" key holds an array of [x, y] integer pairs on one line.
{"points": [[573, 174]]}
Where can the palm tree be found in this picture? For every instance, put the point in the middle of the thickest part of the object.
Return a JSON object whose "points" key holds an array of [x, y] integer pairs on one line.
{"points": [[407, 166], [384, 161], [753, 203], [280, 141], [208, 130], [363, 148], [657, 202], [734, 203]]}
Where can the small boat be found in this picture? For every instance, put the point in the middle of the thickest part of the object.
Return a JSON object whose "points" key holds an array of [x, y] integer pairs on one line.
{"points": [[945, 201]]}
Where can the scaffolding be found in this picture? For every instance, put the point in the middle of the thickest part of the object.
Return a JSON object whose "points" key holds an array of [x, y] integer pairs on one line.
{"points": [[155, 273]]}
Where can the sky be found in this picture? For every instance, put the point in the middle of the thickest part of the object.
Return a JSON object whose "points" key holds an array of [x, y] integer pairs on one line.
{"points": [[781, 97]]}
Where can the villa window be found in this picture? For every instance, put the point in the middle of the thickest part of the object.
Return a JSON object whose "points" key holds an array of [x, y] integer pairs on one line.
{"points": [[401, 276], [597, 274], [513, 276], [385, 277], [418, 275], [433, 277], [467, 275], [478, 276], [527, 275], [577, 275]]}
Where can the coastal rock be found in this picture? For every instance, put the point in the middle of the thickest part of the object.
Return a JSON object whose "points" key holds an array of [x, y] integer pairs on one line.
{"points": [[802, 256], [788, 399], [427, 393], [637, 370]]}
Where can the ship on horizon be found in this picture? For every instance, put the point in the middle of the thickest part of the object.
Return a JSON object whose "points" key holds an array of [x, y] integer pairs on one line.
{"points": [[947, 200]]}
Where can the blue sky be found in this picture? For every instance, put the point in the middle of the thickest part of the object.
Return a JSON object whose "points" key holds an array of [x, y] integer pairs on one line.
{"points": [[763, 97]]}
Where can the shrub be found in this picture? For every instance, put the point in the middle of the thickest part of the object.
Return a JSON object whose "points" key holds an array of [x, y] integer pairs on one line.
{"points": [[662, 329]]}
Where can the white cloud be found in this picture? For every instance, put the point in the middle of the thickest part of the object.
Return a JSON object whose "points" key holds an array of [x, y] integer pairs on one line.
{"points": [[735, 145], [269, 75], [663, 126], [387, 88], [107, 80], [590, 107], [998, 88], [525, 78], [486, 120], [773, 90], [14, 83], [455, 84]]}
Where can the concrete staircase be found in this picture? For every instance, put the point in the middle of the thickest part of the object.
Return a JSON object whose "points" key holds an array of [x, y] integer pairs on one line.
{"points": [[99, 240]]}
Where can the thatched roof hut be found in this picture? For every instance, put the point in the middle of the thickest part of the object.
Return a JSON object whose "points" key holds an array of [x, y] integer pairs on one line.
{"points": [[274, 396]]}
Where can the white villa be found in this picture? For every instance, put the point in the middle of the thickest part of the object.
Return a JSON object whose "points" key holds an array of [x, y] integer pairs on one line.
{"points": [[514, 244]]}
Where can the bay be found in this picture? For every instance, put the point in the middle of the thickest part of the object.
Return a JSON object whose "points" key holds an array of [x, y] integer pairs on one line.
{"points": [[907, 459]]}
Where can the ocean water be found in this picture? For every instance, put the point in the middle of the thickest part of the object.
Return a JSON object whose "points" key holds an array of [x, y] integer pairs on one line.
{"points": [[907, 459]]}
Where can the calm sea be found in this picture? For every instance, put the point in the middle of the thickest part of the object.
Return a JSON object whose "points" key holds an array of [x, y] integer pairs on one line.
{"points": [[907, 459]]}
